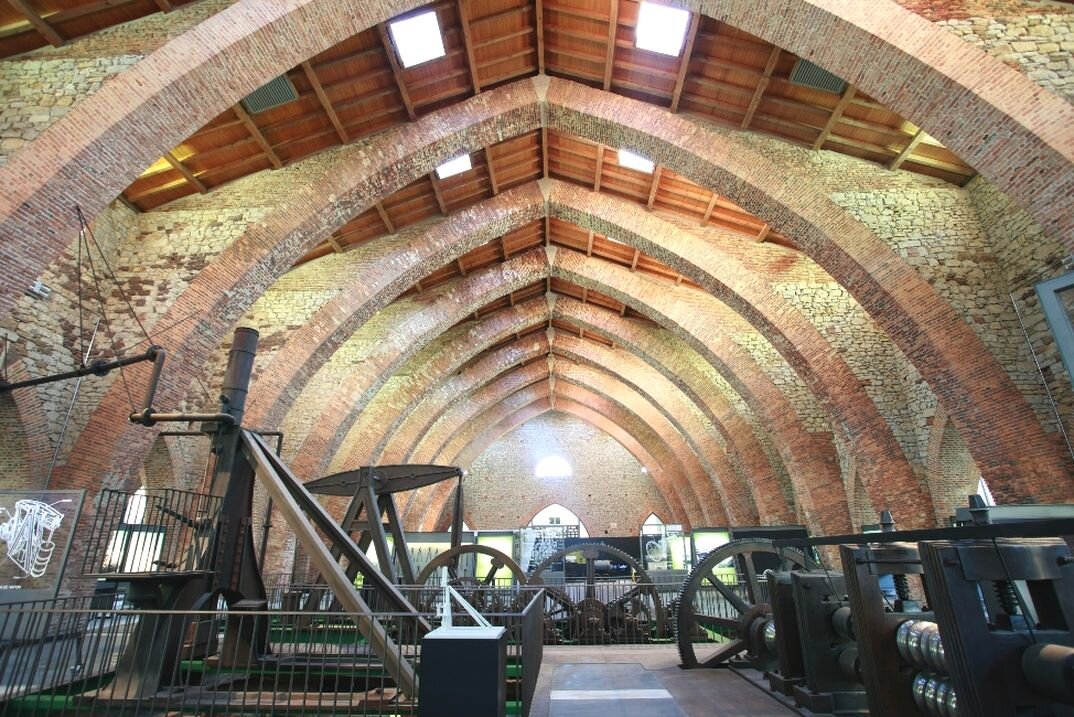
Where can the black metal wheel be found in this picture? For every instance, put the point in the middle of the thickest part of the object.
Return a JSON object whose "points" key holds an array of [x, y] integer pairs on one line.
{"points": [[723, 597]]}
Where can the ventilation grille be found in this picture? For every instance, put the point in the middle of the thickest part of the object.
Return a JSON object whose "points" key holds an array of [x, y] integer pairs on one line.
{"points": [[807, 74], [278, 92]]}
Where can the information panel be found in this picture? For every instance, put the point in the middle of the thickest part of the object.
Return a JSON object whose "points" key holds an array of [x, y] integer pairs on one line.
{"points": [[36, 528]]}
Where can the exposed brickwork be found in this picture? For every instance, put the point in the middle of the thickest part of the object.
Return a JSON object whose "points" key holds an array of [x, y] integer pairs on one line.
{"points": [[501, 491], [928, 331], [40, 87], [485, 429], [961, 99]]}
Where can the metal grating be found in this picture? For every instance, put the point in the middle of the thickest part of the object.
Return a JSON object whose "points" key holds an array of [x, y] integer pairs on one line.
{"points": [[807, 74], [277, 92]]}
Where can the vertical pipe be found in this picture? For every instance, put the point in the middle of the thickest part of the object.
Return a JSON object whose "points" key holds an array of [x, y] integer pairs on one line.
{"points": [[240, 365]]}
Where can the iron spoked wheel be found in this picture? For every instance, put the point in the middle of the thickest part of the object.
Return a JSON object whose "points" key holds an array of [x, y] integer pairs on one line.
{"points": [[718, 603], [591, 551], [476, 590], [558, 616]]}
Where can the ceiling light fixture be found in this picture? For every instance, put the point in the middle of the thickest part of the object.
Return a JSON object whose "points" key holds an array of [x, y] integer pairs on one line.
{"points": [[661, 28], [454, 166], [630, 160], [417, 38]]}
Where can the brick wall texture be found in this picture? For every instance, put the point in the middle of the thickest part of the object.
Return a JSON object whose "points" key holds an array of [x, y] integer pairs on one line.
{"points": [[883, 366]]}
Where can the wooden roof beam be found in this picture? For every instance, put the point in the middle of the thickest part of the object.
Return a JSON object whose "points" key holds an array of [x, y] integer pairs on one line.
{"points": [[164, 5], [653, 186], [336, 246], [763, 234], [503, 248], [439, 194], [634, 261], [544, 152], [539, 22], [318, 89], [468, 42], [379, 206], [762, 85], [187, 174], [493, 183], [589, 244], [908, 149], [585, 294], [600, 167], [609, 56], [684, 61], [255, 132], [709, 209], [462, 267], [43, 28], [397, 71], [848, 95]]}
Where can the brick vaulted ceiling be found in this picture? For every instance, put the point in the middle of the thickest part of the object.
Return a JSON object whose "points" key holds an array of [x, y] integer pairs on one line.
{"points": [[357, 91]]}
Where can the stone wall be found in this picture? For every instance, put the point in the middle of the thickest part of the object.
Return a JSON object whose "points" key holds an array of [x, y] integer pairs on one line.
{"points": [[607, 490]]}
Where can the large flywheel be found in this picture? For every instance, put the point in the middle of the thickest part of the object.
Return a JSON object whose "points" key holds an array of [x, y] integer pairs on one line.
{"points": [[635, 615], [724, 600]]}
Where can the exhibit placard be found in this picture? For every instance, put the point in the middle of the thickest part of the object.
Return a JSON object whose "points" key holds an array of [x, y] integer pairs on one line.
{"points": [[36, 529]]}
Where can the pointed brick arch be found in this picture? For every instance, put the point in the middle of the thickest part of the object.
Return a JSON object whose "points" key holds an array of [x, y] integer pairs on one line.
{"points": [[1008, 441], [995, 118]]}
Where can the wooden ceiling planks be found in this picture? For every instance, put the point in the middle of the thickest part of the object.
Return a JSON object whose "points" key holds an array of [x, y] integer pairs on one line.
{"points": [[726, 76]]}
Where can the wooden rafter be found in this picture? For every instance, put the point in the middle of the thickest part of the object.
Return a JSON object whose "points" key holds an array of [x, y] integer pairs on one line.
{"points": [[600, 167], [47, 31], [634, 261], [311, 75], [468, 42], [544, 151], [763, 234], [589, 244], [684, 61], [379, 206], [462, 267], [762, 84], [164, 5], [503, 247], [585, 294], [653, 186], [493, 183], [334, 242], [609, 58], [908, 149], [539, 21], [255, 132], [437, 191], [710, 208], [848, 95], [187, 174], [397, 71]]}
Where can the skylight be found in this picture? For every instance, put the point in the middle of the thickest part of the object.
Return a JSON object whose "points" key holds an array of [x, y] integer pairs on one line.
{"points": [[635, 161], [417, 38], [454, 166], [661, 28]]}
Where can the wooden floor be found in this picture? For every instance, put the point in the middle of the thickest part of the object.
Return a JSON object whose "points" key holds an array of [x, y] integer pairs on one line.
{"points": [[642, 680]]}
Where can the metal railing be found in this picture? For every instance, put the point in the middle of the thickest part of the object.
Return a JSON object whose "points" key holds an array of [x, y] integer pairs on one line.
{"points": [[85, 656], [152, 532]]}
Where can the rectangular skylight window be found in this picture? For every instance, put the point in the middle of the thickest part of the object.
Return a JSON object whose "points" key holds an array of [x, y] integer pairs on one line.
{"points": [[417, 38], [635, 161], [661, 28], [454, 166]]}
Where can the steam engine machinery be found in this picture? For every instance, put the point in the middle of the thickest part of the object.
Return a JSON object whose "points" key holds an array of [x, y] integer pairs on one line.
{"points": [[970, 621]]}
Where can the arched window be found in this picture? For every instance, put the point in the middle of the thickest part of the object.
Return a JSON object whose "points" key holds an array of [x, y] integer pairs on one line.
{"points": [[553, 467], [653, 519], [557, 514]]}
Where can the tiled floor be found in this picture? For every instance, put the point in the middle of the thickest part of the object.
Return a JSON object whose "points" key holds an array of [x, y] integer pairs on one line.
{"points": [[644, 680]]}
